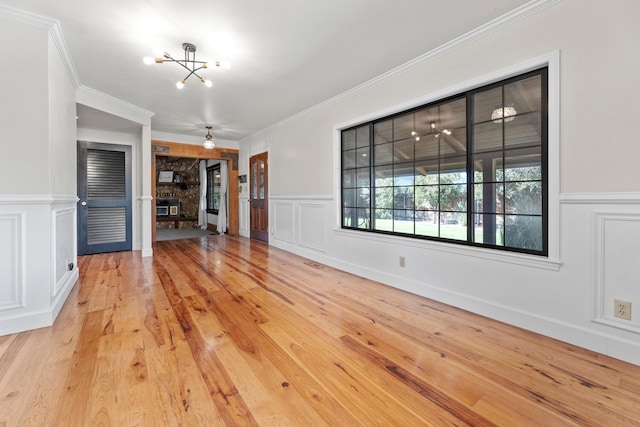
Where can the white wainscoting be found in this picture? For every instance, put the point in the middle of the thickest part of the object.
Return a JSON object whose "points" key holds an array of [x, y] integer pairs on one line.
{"points": [[63, 249], [312, 218], [300, 222], [283, 220], [11, 261], [38, 259], [616, 266], [243, 211]]}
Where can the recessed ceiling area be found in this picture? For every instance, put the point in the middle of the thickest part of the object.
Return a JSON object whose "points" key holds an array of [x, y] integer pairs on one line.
{"points": [[285, 56]]}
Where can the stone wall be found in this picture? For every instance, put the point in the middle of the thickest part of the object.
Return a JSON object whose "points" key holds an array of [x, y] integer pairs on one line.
{"points": [[188, 191]]}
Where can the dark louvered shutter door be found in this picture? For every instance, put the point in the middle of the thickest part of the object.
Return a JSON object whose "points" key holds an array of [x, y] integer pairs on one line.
{"points": [[105, 219]]}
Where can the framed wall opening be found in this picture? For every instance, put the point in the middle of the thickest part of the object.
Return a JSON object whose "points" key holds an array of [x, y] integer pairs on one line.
{"points": [[192, 153]]}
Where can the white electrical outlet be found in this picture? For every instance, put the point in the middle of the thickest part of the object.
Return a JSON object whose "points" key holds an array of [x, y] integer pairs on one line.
{"points": [[622, 309], [402, 262]]}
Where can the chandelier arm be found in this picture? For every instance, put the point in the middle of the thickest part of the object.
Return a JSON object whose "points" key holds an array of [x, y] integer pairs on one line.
{"points": [[186, 67], [180, 62], [191, 72]]}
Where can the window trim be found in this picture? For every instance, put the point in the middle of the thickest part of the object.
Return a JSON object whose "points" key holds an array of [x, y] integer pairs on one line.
{"points": [[551, 260]]}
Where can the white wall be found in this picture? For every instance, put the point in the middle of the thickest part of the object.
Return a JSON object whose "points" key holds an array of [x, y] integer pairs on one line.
{"points": [[62, 125], [38, 256], [23, 108], [569, 298]]}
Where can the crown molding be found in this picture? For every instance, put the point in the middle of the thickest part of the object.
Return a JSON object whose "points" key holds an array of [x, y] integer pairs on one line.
{"points": [[27, 17], [112, 105], [61, 45], [55, 31], [521, 12]]}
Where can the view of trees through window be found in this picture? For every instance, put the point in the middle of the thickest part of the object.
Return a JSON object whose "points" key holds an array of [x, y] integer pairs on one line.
{"points": [[468, 169]]}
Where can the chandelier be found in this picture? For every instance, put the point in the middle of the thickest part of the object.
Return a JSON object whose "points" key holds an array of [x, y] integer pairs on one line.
{"points": [[189, 63], [208, 139], [507, 112]]}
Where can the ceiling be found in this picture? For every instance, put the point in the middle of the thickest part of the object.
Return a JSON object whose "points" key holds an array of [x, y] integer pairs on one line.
{"points": [[286, 55]]}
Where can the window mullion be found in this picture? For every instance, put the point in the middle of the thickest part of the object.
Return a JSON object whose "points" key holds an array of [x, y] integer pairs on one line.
{"points": [[470, 169], [372, 176]]}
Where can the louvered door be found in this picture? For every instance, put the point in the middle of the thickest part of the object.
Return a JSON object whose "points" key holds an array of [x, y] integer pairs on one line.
{"points": [[104, 190]]}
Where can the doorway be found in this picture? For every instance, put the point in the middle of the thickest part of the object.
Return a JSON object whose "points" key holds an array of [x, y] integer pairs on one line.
{"points": [[104, 190], [259, 197], [196, 152]]}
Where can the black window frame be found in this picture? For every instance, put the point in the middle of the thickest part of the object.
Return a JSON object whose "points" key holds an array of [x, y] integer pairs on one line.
{"points": [[358, 213], [213, 183]]}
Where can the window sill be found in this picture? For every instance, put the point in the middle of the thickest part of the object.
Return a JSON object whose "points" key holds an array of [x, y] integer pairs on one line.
{"points": [[533, 261]]}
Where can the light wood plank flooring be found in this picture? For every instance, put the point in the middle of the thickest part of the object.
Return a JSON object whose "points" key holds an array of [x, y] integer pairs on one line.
{"points": [[222, 331]]}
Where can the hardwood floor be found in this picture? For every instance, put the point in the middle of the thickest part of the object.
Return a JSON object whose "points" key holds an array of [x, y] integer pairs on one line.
{"points": [[222, 331]]}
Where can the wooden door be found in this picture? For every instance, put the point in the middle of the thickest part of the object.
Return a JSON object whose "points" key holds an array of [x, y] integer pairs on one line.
{"points": [[104, 190], [259, 197]]}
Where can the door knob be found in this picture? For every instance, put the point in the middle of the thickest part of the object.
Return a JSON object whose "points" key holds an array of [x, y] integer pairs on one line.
{"points": [[84, 203]]}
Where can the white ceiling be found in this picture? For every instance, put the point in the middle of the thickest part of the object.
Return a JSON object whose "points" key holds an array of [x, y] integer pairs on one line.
{"points": [[286, 55]]}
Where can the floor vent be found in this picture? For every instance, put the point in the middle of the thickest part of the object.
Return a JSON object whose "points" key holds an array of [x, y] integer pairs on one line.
{"points": [[314, 265]]}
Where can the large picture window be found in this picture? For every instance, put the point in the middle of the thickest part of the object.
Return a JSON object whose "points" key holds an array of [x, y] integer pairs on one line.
{"points": [[468, 169]]}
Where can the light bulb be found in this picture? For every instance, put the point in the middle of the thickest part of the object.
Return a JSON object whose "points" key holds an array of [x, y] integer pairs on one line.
{"points": [[208, 83], [148, 60], [208, 144], [223, 64], [180, 84]]}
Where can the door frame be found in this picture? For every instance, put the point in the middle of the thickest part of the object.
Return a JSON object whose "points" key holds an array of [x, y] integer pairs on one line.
{"points": [[175, 149]]}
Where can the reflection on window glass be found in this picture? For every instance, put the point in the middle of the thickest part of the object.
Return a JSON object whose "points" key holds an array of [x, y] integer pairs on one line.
{"points": [[255, 180], [262, 179], [213, 189]]}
